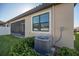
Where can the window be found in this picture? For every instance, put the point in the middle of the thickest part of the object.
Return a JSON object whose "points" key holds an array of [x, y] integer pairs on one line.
{"points": [[41, 22], [18, 27]]}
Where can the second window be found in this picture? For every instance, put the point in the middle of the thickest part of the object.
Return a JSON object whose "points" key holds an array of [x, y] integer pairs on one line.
{"points": [[41, 22]]}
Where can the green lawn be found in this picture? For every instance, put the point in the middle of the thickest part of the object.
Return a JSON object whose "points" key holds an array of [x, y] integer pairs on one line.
{"points": [[76, 40], [6, 42]]}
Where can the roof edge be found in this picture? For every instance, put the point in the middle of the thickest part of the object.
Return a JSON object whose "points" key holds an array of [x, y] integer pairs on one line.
{"points": [[36, 9]]}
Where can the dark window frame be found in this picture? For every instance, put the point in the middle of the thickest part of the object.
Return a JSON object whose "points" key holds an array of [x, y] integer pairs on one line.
{"points": [[39, 24], [18, 27]]}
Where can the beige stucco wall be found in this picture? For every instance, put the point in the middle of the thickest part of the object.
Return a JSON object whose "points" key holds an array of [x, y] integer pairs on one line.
{"points": [[63, 16], [60, 15], [28, 24], [28, 27]]}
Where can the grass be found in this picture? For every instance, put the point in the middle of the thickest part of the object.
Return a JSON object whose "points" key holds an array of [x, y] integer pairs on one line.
{"points": [[6, 42], [76, 42]]}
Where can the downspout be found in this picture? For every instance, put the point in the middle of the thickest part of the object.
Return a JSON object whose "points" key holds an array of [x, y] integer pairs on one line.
{"points": [[61, 29], [60, 35], [53, 22], [52, 49]]}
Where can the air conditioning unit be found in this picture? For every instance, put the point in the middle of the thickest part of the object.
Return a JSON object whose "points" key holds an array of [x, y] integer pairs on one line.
{"points": [[43, 44]]}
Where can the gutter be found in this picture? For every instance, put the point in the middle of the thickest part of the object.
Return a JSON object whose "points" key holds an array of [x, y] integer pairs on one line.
{"points": [[36, 9]]}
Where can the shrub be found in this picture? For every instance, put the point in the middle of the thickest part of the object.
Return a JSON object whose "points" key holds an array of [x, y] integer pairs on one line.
{"points": [[23, 48], [30, 41], [67, 52], [76, 41]]}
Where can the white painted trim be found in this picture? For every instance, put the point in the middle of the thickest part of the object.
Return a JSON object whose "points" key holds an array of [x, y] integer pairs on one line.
{"points": [[18, 20], [42, 12]]}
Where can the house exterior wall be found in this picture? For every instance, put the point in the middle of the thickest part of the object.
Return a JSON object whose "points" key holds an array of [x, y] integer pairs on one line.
{"points": [[60, 16], [63, 16], [28, 24], [10, 23]]}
